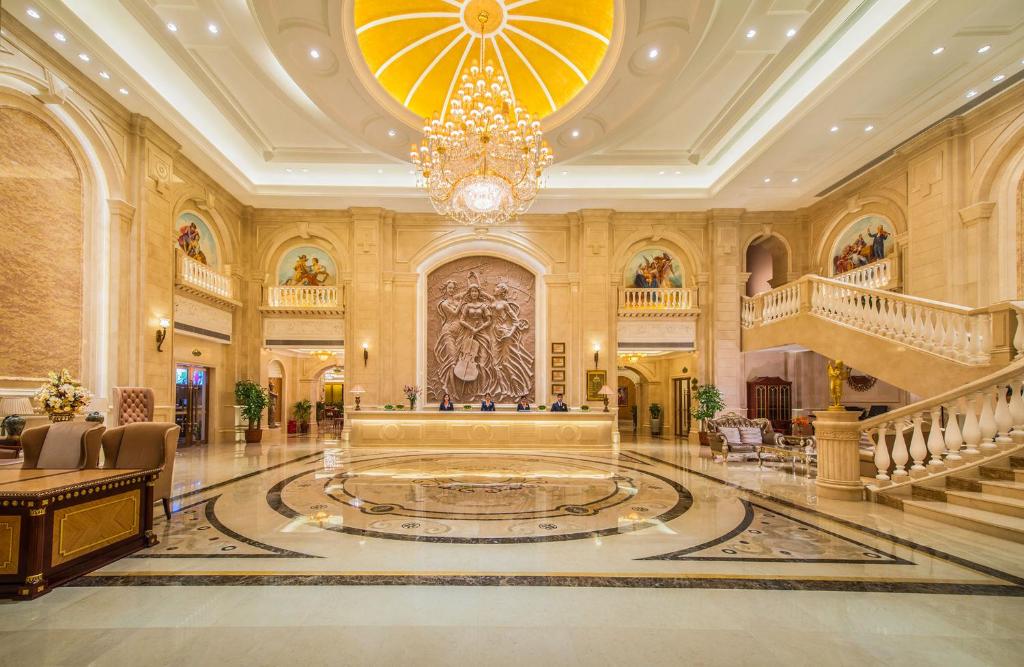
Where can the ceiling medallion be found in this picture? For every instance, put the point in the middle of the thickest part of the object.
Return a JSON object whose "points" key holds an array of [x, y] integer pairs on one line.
{"points": [[482, 159]]}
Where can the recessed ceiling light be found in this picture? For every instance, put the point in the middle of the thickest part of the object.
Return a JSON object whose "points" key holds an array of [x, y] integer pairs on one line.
{"points": [[661, 173], [677, 172], [751, 34], [767, 179], [984, 48], [564, 173], [59, 36], [173, 27], [84, 57], [868, 128], [213, 28], [937, 50], [33, 13], [288, 170], [653, 53], [380, 171], [392, 132], [834, 128], [795, 179], [998, 77], [790, 32], [104, 75], [970, 94], [304, 171], [314, 54], [575, 133], [123, 91]]}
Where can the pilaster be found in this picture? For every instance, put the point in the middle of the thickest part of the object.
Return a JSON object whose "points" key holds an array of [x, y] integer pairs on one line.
{"points": [[726, 359]]}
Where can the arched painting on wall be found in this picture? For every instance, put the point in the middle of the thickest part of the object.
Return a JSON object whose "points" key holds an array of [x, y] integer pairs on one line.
{"points": [[654, 267], [307, 265], [196, 240], [867, 240]]}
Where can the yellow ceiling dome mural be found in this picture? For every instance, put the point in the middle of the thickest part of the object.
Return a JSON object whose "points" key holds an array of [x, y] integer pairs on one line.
{"points": [[547, 49]]}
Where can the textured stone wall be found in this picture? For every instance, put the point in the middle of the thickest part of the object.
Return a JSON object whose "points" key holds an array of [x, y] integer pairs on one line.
{"points": [[41, 232]]}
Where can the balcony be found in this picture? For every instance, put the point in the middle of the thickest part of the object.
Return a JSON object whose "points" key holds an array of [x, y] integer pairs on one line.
{"points": [[304, 300], [883, 274], [658, 302], [200, 280]]}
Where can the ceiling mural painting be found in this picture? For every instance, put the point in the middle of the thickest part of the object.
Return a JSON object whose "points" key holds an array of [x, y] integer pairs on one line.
{"points": [[307, 265], [196, 239], [547, 49]]}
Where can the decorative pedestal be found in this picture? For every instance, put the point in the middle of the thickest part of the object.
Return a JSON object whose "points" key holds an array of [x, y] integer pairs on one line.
{"points": [[838, 436]]}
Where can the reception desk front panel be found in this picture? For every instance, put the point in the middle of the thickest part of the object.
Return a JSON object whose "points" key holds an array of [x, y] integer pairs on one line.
{"points": [[378, 428]]}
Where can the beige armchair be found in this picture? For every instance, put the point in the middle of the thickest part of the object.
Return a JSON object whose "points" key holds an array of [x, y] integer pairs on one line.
{"points": [[733, 435], [64, 445], [133, 404], [144, 445]]}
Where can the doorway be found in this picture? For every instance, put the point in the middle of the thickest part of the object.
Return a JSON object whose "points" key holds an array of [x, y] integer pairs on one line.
{"points": [[627, 402], [680, 407], [274, 393], [192, 404]]}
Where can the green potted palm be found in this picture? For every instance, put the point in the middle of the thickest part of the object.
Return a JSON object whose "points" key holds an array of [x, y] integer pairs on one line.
{"points": [[254, 400], [708, 402], [655, 410], [302, 409]]}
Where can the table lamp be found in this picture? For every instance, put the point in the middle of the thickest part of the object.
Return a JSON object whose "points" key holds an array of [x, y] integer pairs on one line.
{"points": [[357, 391], [605, 391]]}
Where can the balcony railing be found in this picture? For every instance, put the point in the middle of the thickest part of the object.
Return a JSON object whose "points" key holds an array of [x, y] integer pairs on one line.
{"points": [[324, 297], [199, 276], [652, 301], [882, 274]]}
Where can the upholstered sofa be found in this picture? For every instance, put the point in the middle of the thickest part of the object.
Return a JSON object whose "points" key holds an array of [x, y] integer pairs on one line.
{"points": [[735, 436]]}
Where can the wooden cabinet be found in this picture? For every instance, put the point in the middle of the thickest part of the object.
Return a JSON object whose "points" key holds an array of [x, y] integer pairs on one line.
{"points": [[771, 398]]}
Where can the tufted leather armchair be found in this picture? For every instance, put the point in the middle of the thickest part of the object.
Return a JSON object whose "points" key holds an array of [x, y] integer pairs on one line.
{"points": [[133, 404], [63, 446], [144, 445]]}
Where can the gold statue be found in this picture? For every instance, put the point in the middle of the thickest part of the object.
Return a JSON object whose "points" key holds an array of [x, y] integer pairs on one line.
{"points": [[837, 374]]}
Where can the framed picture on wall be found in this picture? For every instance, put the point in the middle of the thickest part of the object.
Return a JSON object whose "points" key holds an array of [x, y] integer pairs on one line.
{"points": [[558, 376], [595, 380], [558, 348], [557, 389], [558, 362]]}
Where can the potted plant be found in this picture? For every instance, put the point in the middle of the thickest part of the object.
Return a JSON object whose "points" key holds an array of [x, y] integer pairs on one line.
{"points": [[585, 408], [302, 409], [254, 399], [62, 397], [389, 407], [708, 402], [542, 407], [467, 407], [655, 410]]}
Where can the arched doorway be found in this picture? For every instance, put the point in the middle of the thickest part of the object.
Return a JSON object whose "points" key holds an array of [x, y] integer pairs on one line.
{"points": [[630, 399], [767, 263], [275, 389]]}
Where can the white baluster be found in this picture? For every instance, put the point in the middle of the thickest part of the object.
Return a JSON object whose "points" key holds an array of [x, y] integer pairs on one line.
{"points": [[918, 448], [954, 440], [881, 455], [1004, 422], [1018, 336], [900, 455], [936, 445], [987, 423], [971, 432], [1017, 411]]}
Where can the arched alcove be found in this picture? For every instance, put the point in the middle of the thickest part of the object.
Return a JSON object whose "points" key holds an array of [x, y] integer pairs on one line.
{"points": [[867, 239], [768, 261]]}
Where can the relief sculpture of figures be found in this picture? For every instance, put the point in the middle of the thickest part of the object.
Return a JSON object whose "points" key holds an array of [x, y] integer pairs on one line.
{"points": [[482, 333]]}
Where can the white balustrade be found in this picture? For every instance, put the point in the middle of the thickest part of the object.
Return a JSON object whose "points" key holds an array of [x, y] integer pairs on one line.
{"points": [[918, 448], [200, 275], [658, 298], [748, 312], [302, 296], [780, 303], [877, 275]]}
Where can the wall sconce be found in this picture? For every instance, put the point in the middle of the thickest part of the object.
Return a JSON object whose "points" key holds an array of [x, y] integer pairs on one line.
{"points": [[161, 333], [597, 354], [366, 353]]}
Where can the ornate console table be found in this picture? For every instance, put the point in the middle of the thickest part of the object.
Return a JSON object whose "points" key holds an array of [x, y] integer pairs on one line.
{"points": [[504, 428], [56, 525]]}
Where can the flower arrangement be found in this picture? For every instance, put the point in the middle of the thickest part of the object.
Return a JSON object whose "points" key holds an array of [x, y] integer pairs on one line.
{"points": [[62, 397], [412, 393]]}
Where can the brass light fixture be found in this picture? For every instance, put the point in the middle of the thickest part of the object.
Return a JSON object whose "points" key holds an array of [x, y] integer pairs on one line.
{"points": [[366, 354], [597, 354], [161, 333]]}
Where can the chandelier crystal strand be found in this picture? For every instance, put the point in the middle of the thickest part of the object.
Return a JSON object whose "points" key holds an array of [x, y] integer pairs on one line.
{"points": [[482, 161]]}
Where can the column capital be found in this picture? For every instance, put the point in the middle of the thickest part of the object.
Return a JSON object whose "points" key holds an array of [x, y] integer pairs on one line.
{"points": [[124, 211], [976, 213]]}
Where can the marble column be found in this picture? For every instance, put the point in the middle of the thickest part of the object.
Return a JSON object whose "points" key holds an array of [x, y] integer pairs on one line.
{"points": [[838, 436], [364, 315], [727, 367]]}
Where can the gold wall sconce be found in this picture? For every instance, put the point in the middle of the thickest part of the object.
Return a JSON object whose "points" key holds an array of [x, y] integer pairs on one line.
{"points": [[597, 354], [161, 333], [366, 353]]}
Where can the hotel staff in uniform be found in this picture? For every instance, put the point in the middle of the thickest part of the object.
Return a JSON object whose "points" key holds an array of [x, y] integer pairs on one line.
{"points": [[487, 405], [446, 404], [523, 405], [559, 405]]}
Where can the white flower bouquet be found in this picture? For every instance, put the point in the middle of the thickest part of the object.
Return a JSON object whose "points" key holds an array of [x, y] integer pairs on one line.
{"points": [[62, 397]]}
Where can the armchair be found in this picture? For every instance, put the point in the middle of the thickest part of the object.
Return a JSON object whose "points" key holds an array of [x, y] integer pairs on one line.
{"points": [[133, 404], [64, 445], [145, 445]]}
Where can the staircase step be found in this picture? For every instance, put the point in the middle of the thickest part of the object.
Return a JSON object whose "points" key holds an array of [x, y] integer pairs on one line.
{"points": [[1006, 489], [987, 501], [990, 523], [1006, 474]]}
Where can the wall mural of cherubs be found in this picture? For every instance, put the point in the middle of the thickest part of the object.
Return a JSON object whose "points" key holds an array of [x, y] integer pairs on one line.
{"points": [[480, 330]]}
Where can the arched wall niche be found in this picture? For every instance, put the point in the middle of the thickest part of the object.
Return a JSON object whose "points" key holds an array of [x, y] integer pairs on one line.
{"points": [[867, 239], [761, 237], [287, 241], [678, 246], [193, 201], [881, 207], [499, 249], [999, 179], [765, 254]]}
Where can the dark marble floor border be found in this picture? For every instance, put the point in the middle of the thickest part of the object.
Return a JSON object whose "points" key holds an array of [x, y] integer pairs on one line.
{"points": [[251, 473], [931, 551], [568, 581]]}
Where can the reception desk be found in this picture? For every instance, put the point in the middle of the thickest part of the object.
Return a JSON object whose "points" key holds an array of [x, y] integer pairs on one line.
{"points": [[473, 428]]}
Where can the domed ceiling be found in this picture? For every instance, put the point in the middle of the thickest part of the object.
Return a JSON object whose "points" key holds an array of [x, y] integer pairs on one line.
{"points": [[548, 49]]}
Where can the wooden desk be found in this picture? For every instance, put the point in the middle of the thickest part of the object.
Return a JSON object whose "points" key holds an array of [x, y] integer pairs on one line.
{"points": [[56, 525]]}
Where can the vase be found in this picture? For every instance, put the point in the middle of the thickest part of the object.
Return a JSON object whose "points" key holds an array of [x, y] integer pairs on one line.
{"points": [[412, 403], [61, 416]]}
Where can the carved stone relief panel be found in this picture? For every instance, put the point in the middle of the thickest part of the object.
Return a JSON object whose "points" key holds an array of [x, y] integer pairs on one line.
{"points": [[481, 327]]}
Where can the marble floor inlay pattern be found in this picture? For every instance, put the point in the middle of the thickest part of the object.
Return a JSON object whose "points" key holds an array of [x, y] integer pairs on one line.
{"points": [[580, 518]]}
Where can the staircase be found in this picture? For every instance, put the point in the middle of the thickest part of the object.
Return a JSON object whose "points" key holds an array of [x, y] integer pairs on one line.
{"points": [[920, 345]]}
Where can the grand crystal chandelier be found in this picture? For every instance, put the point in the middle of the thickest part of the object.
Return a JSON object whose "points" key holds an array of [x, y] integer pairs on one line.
{"points": [[482, 161]]}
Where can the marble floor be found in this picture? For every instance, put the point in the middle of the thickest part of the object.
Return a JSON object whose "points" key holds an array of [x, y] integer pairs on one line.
{"points": [[299, 550]]}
